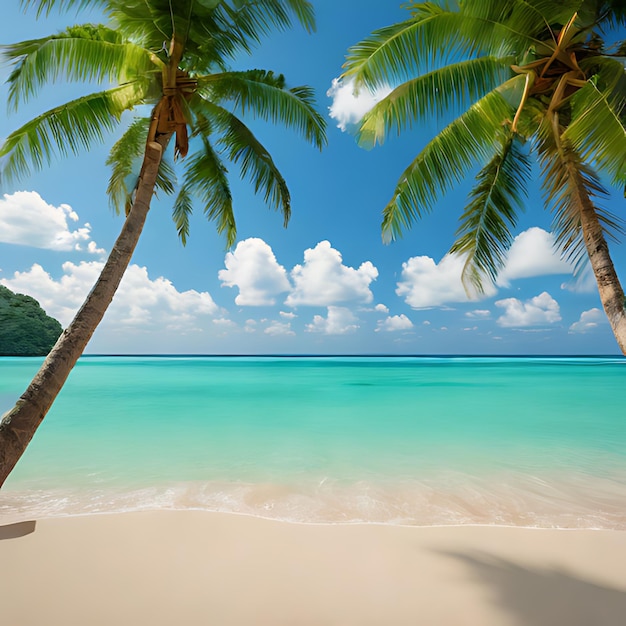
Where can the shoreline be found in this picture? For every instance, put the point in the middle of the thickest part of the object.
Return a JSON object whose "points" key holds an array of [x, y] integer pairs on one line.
{"points": [[561, 503], [25, 519], [198, 567]]}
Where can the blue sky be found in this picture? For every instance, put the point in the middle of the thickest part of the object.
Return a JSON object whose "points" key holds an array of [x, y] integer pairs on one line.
{"points": [[327, 284]]}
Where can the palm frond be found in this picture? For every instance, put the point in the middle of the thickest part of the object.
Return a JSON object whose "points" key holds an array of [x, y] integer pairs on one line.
{"points": [[240, 146], [211, 31], [609, 13], [453, 86], [123, 160], [597, 130], [436, 33], [392, 54], [70, 127], [80, 53], [258, 18], [566, 181], [205, 178], [265, 95], [166, 178], [181, 212], [445, 160], [44, 7], [256, 163], [535, 18], [485, 231]]}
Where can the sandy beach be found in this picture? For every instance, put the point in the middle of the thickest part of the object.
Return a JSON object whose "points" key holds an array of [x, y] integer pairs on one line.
{"points": [[193, 567]]}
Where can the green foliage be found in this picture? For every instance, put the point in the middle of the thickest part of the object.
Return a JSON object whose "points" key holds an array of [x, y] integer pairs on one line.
{"points": [[522, 76], [80, 53], [485, 230], [25, 329], [445, 161], [174, 58]]}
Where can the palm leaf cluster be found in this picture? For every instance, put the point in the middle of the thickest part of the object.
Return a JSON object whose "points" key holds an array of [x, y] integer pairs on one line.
{"points": [[517, 77], [172, 60]]}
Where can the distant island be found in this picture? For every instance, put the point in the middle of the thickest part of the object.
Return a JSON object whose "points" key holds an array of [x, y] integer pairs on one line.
{"points": [[25, 328]]}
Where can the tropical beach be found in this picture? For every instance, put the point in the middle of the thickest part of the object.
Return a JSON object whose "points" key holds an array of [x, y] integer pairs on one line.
{"points": [[303, 500], [350, 433]]}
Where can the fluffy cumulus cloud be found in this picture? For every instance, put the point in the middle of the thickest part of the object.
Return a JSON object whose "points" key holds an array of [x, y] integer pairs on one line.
{"points": [[532, 253], [26, 219], [253, 269], [589, 321], [323, 279], [541, 310], [139, 301], [427, 284], [340, 321], [349, 106], [394, 323]]}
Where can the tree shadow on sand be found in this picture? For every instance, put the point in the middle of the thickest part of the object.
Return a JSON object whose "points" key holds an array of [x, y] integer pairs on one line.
{"points": [[13, 531], [546, 597]]}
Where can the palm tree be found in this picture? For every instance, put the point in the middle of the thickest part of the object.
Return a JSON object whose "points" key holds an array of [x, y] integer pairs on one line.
{"points": [[172, 56], [524, 77]]}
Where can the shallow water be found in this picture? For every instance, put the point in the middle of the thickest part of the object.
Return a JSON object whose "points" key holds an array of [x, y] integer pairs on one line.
{"points": [[516, 441]]}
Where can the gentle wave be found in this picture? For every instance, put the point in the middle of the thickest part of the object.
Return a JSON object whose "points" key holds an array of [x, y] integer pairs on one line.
{"points": [[564, 502]]}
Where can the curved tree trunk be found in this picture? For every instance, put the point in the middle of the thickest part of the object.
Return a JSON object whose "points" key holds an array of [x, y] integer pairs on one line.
{"points": [[20, 423], [609, 287]]}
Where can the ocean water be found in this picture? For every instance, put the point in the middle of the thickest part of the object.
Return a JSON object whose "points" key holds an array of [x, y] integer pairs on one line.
{"points": [[535, 442]]}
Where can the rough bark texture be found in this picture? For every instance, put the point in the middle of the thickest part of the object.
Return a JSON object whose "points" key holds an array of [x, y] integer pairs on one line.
{"points": [[20, 423], [609, 287]]}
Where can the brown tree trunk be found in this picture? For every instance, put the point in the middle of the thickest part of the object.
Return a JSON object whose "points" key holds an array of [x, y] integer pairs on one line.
{"points": [[609, 287], [20, 423]]}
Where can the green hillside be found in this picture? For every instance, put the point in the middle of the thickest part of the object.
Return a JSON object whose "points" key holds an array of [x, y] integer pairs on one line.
{"points": [[25, 329]]}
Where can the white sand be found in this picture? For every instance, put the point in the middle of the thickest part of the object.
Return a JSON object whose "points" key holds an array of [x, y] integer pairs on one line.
{"points": [[193, 568]]}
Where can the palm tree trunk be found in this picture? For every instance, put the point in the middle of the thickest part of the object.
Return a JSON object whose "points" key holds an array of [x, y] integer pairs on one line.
{"points": [[609, 287], [20, 423]]}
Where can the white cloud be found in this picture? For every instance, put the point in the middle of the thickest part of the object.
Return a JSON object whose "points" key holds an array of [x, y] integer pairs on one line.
{"points": [[394, 323], [479, 314], [253, 268], [538, 311], [532, 253], [139, 301], [92, 248], [426, 284], [287, 315], [279, 328], [588, 321], [347, 107], [340, 321], [323, 280], [250, 326], [26, 219], [381, 308]]}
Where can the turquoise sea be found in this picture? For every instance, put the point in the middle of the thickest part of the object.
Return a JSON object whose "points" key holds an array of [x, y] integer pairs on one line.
{"points": [[397, 440]]}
